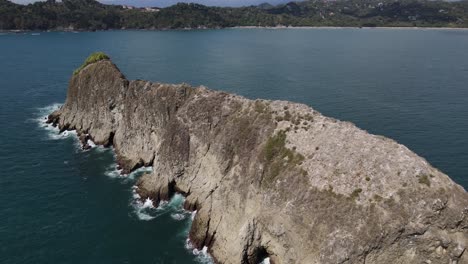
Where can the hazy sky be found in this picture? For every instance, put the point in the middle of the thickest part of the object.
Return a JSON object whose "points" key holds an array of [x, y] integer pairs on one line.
{"points": [[162, 3]]}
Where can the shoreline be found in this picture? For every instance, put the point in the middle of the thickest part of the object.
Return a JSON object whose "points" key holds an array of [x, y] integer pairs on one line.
{"points": [[2, 31], [334, 27]]}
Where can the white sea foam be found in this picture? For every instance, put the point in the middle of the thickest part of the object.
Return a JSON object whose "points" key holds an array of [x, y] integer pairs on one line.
{"points": [[113, 172], [132, 175], [192, 216], [147, 204], [91, 143], [93, 146], [178, 217], [162, 205], [202, 256], [134, 192], [144, 216], [142, 209], [55, 135], [47, 110], [145, 210], [53, 132]]}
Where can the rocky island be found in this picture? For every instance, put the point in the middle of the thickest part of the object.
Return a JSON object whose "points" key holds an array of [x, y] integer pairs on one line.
{"points": [[270, 179]]}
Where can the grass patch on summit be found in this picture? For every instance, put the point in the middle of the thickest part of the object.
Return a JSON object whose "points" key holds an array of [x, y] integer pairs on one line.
{"points": [[94, 57]]}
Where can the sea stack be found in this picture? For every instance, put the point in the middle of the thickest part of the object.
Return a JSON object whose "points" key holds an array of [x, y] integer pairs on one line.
{"points": [[271, 179]]}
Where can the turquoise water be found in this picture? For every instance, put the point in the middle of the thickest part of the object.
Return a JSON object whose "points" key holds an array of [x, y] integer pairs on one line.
{"points": [[62, 205]]}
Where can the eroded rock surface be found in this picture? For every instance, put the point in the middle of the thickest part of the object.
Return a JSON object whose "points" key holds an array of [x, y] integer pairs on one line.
{"points": [[271, 178]]}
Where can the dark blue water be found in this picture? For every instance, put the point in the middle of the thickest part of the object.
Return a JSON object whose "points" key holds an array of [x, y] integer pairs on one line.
{"points": [[62, 205]]}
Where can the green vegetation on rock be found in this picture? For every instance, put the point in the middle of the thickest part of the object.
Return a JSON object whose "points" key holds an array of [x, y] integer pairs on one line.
{"points": [[424, 179], [278, 157], [261, 107], [355, 194], [94, 57]]}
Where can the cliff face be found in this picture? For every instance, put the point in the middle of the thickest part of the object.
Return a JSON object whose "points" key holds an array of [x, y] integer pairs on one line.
{"points": [[271, 178]]}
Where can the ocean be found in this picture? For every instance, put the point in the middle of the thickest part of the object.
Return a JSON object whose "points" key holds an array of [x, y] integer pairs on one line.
{"points": [[60, 204]]}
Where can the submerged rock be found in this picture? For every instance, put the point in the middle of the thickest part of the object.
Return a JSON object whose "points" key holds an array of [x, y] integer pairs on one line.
{"points": [[271, 179]]}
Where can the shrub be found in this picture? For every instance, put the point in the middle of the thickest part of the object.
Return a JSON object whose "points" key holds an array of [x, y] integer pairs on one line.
{"points": [[279, 118], [309, 117], [355, 193], [261, 107], [275, 145], [377, 198], [423, 179], [94, 57]]}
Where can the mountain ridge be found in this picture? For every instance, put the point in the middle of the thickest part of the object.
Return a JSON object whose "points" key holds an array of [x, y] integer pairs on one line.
{"points": [[159, 4], [92, 15]]}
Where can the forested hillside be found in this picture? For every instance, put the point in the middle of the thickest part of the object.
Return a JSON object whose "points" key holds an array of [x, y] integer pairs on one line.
{"points": [[92, 15]]}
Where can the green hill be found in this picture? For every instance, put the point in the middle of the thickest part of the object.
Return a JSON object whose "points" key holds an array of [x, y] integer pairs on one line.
{"points": [[92, 15]]}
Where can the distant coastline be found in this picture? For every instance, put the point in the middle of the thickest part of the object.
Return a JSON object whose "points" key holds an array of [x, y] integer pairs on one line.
{"points": [[351, 27], [90, 15], [235, 27]]}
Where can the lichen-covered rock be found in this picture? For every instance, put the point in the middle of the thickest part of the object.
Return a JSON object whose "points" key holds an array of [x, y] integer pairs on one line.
{"points": [[272, 178]]}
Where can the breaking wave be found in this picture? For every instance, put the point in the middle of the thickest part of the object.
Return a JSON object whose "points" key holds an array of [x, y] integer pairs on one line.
{"points": [[52, 132], [113, 172], [145, 210], [202, 255]]}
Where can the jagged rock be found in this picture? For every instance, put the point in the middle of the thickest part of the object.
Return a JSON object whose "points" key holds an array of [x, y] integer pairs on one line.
{"points": [[272, 178], [83, 138]]}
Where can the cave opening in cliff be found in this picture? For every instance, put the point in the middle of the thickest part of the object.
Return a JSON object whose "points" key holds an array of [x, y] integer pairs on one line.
{"points": [[259, 255]]}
